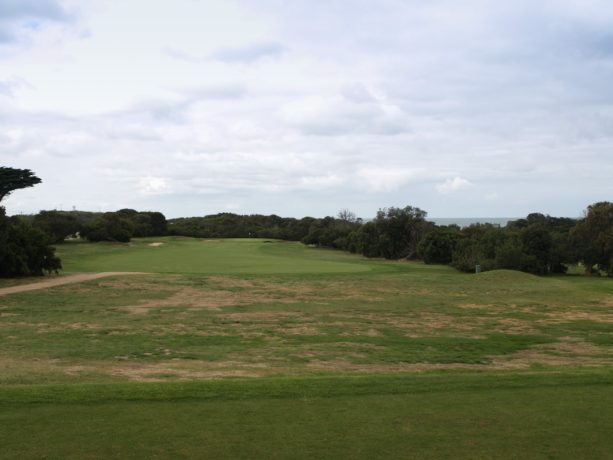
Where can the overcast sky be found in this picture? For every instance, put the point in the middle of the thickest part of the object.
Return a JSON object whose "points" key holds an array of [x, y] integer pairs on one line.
{"points": [[303, 107]]}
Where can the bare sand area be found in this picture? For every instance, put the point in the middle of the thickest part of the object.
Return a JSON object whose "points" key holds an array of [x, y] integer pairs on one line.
{"points": [[61, 280]]}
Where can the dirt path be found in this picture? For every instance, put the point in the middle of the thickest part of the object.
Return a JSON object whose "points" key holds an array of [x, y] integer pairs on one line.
{"points": [[59, 281]]}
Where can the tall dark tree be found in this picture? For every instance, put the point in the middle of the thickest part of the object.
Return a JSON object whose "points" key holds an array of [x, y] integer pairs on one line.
{"points": [[438, 245], [536, 245], [110, 226], [400, 230], [24, 250], [14, 179], [56, 224], [593, 238]]}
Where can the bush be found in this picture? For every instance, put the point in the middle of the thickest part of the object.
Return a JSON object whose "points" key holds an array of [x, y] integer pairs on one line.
{"points": [[24, 250], [109, 227], [438, 245]]}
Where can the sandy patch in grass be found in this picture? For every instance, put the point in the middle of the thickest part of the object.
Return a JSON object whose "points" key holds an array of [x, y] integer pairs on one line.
{"points": [[179, 370], [476, 306], [156, 244], [207, 299], [223, 291], [253, 316], [422, 322], [566, 316], [573, 346], [608, 302], [568, 352], [77, 370], [340, 365], [300, 330], [81, 326], [228, 291], [511, 326], [49, 282], [17, 370], [301, 291], [132, 285]]}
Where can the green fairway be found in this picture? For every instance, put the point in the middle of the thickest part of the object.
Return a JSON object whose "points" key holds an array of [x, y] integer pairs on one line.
{"points": [[340, 357], [187, 255]]}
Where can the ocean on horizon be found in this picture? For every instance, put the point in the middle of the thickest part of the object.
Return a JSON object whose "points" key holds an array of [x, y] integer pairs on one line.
{"points": [[466, 221]]}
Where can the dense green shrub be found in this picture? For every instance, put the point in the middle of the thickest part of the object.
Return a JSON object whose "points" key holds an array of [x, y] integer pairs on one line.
{"points": [[438, 245], [109, 227], [24, 250]]}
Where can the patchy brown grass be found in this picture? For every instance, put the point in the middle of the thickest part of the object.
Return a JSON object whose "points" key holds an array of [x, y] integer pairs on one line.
{"points": [[568, 351], [219, 306], [607, 302], [225, 291], [181, 370], [566, 316], [131, 285], [336, 290], [341, 365], [300, 330]]}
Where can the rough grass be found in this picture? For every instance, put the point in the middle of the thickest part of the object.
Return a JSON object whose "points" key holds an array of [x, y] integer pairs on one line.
{"points": [[126, 362], [166, 327]]}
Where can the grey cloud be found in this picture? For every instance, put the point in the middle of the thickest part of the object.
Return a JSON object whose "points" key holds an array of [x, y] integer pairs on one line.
{"points": [[34, 9], [244, 54], [218, 92], [174, 111], [17, 16], [351, 124], [183, 56], [248, 54], [357, 93], [355, 111], [6, 36], [6, 89], [390, 102]]}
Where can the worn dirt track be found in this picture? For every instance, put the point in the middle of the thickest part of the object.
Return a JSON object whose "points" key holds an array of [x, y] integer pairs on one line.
{"points": [[61, 280]]}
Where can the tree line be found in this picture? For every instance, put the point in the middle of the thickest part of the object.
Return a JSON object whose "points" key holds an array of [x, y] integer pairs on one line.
{"points": [[538, 244]]}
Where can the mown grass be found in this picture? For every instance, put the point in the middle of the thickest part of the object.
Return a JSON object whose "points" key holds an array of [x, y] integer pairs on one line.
{"points": [[347, 358], [201, 256], [560, 415]]}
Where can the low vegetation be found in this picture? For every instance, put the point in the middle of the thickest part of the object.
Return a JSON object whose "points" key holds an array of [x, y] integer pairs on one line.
{"points": [[260, 348], [264, 348]]}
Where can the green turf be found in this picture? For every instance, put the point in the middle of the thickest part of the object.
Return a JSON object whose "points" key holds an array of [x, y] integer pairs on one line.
{"points": [[186, 255], [346, 358], [564, 416]]}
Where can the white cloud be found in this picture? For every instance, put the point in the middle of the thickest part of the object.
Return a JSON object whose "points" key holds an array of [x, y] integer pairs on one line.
{"points": [[319, 182], [380, 179], [154, 186], [453, 185], [292, 109], [350, 113], [250, 53]]}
